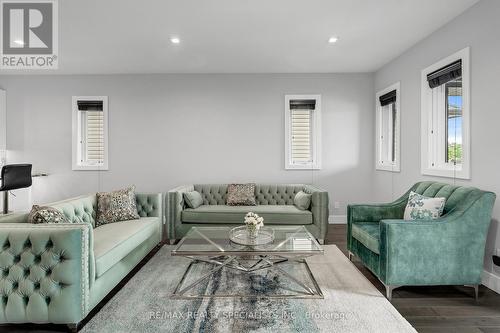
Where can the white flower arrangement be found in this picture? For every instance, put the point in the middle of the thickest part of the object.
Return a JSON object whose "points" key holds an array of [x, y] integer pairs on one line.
{"points": [[254, 221]]}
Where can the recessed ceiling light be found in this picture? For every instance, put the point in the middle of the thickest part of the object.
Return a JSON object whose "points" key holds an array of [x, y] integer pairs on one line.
{"points": [[333, 40], [175, 40], [19, 42]]}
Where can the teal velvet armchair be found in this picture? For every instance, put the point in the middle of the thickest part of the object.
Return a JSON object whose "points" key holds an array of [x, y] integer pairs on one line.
{"points": [[445, 251]]}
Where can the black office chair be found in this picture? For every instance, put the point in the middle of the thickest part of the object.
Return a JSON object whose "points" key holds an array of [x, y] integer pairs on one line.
{"points": [[14, 176]]}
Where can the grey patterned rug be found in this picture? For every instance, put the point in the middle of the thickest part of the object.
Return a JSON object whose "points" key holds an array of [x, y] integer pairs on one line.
{"points": [[351, 303]]}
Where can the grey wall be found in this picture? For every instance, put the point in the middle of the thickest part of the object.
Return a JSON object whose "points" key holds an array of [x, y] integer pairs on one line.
{"points": [[168, 130], [477, 28]]}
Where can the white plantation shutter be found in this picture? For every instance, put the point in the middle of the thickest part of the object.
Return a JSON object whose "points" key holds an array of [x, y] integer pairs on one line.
{"points": [[91, 115], [301, 130], [94, 141]]}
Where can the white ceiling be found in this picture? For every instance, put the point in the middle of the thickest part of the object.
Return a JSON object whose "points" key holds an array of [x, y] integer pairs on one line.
{"points": [[243, 36]]}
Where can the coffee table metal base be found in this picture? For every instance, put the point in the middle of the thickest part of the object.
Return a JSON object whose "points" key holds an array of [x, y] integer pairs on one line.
{"points": [[259, 262]]}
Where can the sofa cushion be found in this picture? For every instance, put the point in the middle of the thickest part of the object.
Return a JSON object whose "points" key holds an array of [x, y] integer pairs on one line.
{"points": [[368, 234], [272, 214], [241, 195], [113, 241], [302, 200], [45, 214], [116, 206], [420, 207], [193, 199]]}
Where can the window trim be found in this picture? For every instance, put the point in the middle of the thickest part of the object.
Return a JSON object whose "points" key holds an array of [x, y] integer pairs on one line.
{"points": [[76, 166], [316, 134], [396, 166], [449, 171]]}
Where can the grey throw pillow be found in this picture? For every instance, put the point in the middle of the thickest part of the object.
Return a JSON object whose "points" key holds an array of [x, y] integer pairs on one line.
{"points": [[42, 214], [241, 195], [302, 200], [193, 199], [116, 206]]}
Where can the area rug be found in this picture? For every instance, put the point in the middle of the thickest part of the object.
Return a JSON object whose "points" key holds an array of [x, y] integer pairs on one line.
{"points": [[351, 303]]}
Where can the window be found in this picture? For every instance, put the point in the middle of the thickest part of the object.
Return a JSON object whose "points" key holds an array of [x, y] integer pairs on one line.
{"points": [[303, 131], [90, 133], [445, 117], [388, 129]]}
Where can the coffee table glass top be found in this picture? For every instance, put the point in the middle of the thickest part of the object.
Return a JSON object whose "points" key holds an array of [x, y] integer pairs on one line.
{"points": [[215, 240]]}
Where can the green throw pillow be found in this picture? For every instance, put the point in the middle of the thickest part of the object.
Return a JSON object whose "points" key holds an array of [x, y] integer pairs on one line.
{"points": [[302, 200], [193, 199]]}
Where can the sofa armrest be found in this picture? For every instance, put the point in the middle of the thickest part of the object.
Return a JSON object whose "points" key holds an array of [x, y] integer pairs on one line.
{"points": [[48, 271], [411, 251], [175, 205], [375, 212], [14, 218], [319, 208]]}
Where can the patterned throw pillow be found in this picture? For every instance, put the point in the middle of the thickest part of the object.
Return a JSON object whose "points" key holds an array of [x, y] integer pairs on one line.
{"points": [[116, 206], [42, 214], [420, 207], [241, 195]]}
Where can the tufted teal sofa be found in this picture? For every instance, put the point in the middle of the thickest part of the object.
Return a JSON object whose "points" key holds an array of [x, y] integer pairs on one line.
{"points": [[445, 251], [56, 273], [274, 203]]}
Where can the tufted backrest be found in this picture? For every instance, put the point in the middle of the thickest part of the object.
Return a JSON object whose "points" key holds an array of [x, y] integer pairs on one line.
{"points": [[282, 194], [149, 204], [80, 209], [212, 194], [454, 195], [265, 194]]}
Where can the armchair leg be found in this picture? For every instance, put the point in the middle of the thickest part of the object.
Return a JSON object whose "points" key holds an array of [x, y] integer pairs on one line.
{"points": [[388, 291], [321, 241], [171, 241], [350, 255], [476, 290]]}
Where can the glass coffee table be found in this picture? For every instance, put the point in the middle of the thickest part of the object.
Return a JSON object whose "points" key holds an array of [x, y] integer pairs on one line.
{"points": [[284, 257]]}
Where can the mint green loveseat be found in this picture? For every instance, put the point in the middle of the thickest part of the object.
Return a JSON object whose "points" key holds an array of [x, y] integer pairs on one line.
{"points": [[56, 273], [274, 203], [445, 251]]}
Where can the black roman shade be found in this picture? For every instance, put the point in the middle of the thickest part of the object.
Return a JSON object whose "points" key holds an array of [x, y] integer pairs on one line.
{"points": [[388, 98], [302, 104], [445, 74], [90, 105]]}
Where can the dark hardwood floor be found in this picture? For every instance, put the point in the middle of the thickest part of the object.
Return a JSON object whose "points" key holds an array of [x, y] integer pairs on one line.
{"points": [[441, 309]]}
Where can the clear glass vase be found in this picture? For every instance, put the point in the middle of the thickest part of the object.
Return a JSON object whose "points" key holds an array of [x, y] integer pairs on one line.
{"points": [[252, 232]]}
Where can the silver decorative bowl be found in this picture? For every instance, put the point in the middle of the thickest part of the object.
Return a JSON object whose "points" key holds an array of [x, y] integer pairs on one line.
{"points": [[240, 235]]}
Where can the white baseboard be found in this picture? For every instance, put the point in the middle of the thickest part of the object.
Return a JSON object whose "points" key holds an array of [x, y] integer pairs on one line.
{"points": [[337, 219], [492, 281]]}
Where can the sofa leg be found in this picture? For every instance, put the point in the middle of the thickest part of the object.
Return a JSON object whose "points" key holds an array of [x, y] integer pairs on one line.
{"points": [[321, 241], [171, 241], [476, 290], [73, 328], [350, 255]]}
